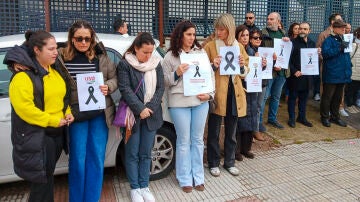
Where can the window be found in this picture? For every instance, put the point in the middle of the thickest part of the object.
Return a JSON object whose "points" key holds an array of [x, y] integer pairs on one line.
{"points": [[114, 56], [5, 76]]}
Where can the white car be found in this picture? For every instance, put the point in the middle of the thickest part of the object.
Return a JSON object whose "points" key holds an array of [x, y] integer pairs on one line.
{"points": [[163, 154]]}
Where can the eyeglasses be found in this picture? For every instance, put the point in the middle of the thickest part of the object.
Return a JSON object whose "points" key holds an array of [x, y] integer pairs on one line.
{"points": [[249, 18], [256, 38], [81, 39]]}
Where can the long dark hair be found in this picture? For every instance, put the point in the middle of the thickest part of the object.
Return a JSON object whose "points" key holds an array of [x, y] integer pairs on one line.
{"points": [[70, 49], [177, 36], [141, 38], [290, 31], [36, 39]]}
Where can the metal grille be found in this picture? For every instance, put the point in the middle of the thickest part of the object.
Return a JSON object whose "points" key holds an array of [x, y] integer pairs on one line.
{"points": [[17, 16]]}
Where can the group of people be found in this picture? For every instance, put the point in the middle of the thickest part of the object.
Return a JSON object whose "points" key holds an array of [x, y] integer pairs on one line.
{"points": [[46, 116]]}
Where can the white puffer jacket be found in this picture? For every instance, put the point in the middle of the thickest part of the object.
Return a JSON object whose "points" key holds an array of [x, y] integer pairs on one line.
{"points": [[355, 60]]}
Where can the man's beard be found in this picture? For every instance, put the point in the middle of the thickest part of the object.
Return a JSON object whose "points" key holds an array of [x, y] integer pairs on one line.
{"points": [[302, 35], [272, 27]]}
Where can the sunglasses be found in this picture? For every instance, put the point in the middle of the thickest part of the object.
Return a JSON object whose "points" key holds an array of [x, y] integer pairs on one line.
{"points": [[249, 18], [256, 38], [81, 39]]}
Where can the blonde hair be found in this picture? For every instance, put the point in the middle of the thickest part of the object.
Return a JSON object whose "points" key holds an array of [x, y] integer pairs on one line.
{"points": [[227, 21]]}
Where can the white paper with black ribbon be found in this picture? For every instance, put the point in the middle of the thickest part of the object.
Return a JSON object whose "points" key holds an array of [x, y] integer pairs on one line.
{"points": [[229, 64], [198, 78], [253, 78], [89, 93]]}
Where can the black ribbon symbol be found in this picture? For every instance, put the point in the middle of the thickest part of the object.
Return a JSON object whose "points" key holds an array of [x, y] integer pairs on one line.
{"points": [[255, 75], [229, 61], [197, 71], [281, 53], [310, 62], [91, 95]]}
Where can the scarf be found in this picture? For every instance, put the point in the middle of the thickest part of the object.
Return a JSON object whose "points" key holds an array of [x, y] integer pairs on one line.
{"points": [[149, 69]]}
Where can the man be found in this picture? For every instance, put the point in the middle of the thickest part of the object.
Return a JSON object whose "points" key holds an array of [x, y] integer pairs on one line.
{"points": [[336, 72], [250, 21], [121, 27], [322, 36], [298, 84], [275, 85], [348, 28]]}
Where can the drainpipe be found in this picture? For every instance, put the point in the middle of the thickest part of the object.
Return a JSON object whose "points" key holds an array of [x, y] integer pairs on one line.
{"points": [[161, 23], [47, 15]]}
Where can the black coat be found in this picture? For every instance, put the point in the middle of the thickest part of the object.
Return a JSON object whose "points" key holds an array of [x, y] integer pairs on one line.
{"points": [[128, 80], [300, 83], [250, 121]]}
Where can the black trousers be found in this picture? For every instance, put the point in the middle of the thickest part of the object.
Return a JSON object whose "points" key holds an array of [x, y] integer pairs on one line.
{"points": [[330, 100], [351, 90], [302, 95], [244, 142], [44, 192]]}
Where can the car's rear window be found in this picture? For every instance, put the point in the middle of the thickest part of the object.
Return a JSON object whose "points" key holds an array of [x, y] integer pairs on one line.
{"points": [[5, 76]]}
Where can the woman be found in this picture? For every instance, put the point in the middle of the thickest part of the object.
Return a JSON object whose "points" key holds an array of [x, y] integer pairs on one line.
{"points": [[248, 124], [141, 67], [293, 31], [40, 100], [188, 113], [230, 97], [255, 43], [352, 88], [89, 132]]}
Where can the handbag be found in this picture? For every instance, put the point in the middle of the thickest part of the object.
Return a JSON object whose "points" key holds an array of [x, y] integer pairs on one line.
{"points": [[120, 115]]}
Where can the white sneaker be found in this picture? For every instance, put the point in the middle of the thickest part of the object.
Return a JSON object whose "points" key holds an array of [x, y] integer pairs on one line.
{"points": [[136, 196], [343, 112], [147, 195], [317, 97], [215, 171], [233, 170]]}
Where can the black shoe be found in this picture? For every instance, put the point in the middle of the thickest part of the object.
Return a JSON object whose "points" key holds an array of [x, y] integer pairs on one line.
{"points": [[338, 122], [325, 122], [248, 155], [276, 124], [305, 122], [291, 123]]}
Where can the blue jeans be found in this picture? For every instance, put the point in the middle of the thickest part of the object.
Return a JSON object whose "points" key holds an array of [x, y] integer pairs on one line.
{"points": [[273, 90], [189, 124], [86, 163], [138, 155]]}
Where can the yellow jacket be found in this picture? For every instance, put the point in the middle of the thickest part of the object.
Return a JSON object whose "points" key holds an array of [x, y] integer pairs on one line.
{"points": [[22, 99], [221, 84]]}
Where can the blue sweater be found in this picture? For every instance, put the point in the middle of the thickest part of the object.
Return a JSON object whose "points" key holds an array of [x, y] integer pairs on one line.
{"points": [[336, 63]]}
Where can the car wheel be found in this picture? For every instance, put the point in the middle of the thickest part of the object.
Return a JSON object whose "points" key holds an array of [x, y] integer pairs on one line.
{"points": [[163, 153]]}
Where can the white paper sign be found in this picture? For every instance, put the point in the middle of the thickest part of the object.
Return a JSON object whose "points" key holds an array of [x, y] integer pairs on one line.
{"points": [[229, 64], [253, 78], [348, 38], [309, 61], [198, 78], [268, 54], [89, 94], [283, 51]]}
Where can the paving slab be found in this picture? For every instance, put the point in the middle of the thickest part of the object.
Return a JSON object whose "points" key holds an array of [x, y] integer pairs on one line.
{"points": [[313, 171]]}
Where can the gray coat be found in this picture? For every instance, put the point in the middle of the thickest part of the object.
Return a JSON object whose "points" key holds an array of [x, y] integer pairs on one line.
{"points": [[128, 80]]}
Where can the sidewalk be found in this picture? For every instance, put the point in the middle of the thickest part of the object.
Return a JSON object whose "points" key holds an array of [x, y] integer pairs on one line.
{"points": [[315, 171]]}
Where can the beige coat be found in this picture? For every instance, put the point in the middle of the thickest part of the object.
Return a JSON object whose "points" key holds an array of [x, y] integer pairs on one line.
{"points": [[356, 62], [221, 84], [108, 68]]}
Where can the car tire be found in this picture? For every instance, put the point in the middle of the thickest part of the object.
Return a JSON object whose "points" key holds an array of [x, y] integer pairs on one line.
{"points": [[162, 154]]}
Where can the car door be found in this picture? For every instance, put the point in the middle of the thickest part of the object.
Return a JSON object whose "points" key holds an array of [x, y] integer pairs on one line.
{"points": [[6, 165]]}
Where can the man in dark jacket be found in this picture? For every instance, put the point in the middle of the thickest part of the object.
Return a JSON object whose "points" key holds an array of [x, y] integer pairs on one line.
{"points": [[250, 21], [298, 84], [336, 72]]}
